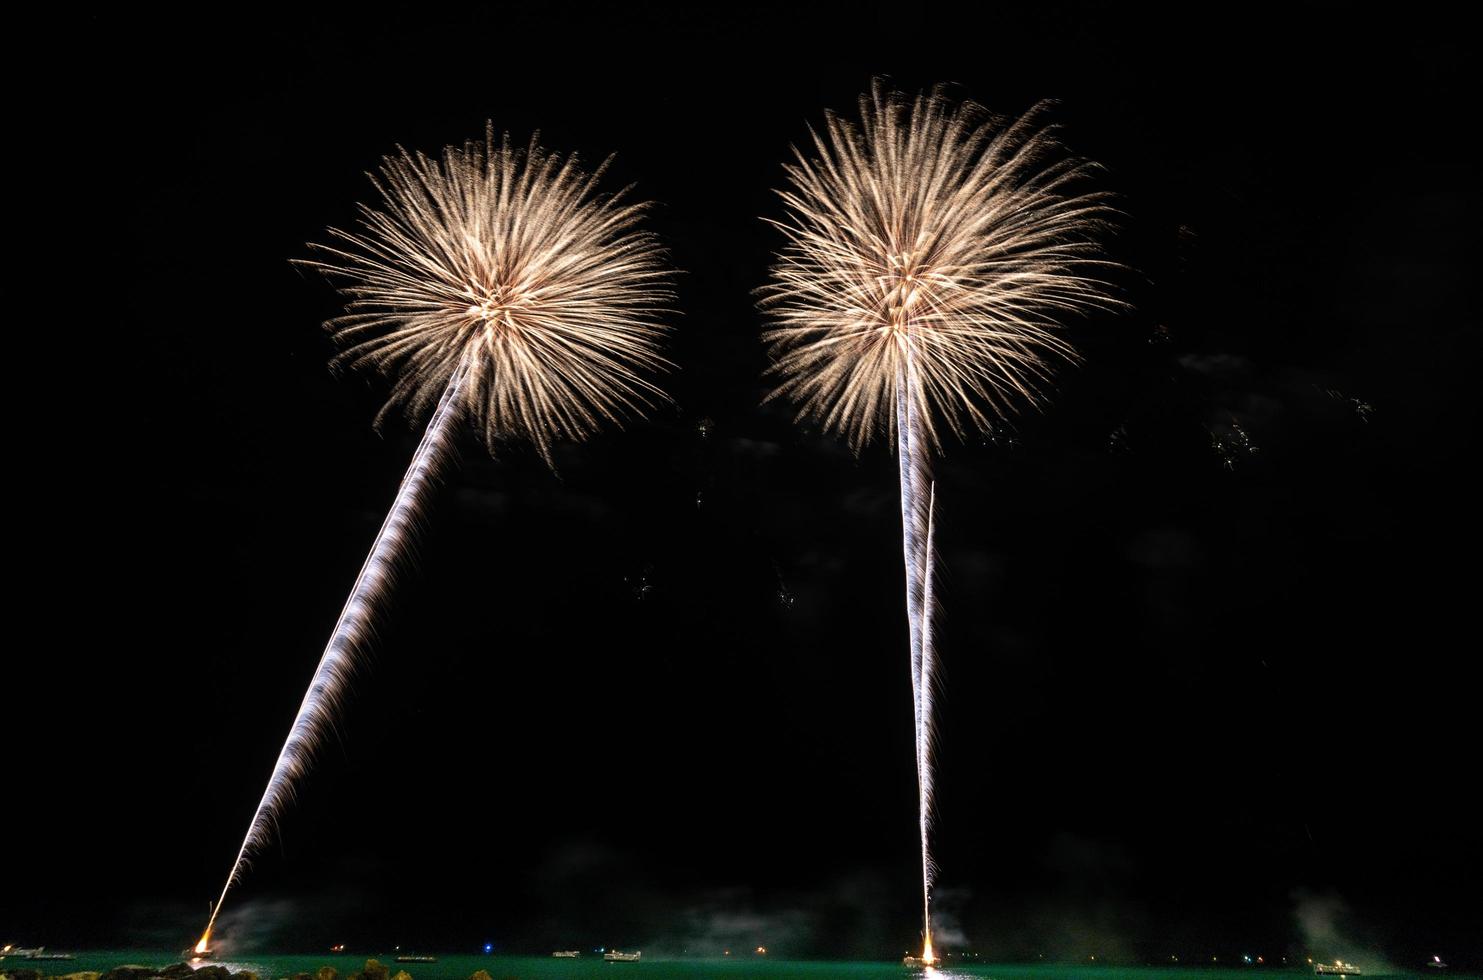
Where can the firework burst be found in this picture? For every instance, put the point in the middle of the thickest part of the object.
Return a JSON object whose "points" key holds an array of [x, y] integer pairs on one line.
{"points": [[495, 284], [931, 252], [504, 261], [930, 244]]}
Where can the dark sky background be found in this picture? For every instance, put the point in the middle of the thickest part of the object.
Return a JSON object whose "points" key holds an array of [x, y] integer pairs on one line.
{"points": [[1189, 708]]}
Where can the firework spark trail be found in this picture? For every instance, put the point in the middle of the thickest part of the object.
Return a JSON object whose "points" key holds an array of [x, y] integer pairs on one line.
{"points": [[930, 253], [347, 644], [497, 285], [918, 500]]}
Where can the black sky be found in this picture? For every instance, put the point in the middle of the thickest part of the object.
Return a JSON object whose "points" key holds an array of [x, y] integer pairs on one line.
{"points": [[1181, 699]]}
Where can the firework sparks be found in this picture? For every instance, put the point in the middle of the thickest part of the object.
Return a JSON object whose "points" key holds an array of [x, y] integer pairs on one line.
{"points": [[930, 254], [507, 262], [495, 285], [348, 641]]}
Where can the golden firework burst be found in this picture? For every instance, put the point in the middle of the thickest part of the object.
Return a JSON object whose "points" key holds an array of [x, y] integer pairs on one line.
{"points": [[930, 251], [508, 265]]}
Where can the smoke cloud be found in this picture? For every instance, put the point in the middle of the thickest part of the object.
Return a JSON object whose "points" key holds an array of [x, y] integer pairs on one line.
{"points": [[1331, 931]]}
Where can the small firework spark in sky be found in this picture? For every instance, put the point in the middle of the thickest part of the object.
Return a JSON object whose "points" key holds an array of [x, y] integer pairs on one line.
{"points": [[497, 285], [1231, 444], [930, 253], [1362, 409]]}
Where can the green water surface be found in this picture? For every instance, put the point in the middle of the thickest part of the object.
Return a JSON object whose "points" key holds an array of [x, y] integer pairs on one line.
{"points": [[591, 966]]}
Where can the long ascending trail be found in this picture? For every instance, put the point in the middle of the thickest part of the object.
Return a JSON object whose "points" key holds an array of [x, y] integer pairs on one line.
{"points": [[348, 641], [918, 500], [931, 252]]}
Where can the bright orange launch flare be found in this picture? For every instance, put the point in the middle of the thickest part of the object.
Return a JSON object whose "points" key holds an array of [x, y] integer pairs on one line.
{"points": [[205, 942]]}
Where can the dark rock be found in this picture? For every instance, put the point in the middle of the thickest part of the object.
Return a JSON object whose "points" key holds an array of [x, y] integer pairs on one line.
{"points": [[131, 973], [374, 970], [325, 973], [16, 973], [480, 975], [213, 973], [244, 975]]}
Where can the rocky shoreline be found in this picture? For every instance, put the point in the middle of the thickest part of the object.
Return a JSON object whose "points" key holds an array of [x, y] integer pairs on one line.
{"points": [[184, 971]]}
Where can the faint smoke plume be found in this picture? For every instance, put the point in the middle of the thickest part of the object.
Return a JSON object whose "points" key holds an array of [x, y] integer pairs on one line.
{"points": [[947, 919], [729, 920], [255, 925], [1331, 932]]}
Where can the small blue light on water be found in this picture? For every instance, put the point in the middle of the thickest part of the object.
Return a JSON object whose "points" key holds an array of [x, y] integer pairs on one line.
{"points": [[489, 947]]}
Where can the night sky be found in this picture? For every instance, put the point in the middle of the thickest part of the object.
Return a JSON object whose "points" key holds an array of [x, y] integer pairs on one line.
{"points": [[1199, 696]]}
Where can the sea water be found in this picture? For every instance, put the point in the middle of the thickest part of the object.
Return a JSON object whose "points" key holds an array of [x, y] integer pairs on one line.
{"points": [[591, 966]]}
